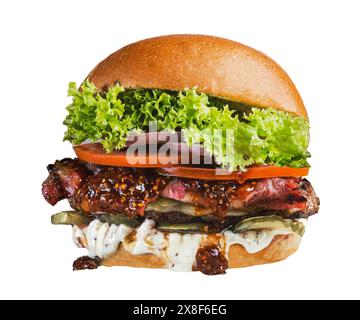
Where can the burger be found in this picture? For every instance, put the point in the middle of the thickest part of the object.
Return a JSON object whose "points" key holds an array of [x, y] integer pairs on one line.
{"points": [[191, 153]]}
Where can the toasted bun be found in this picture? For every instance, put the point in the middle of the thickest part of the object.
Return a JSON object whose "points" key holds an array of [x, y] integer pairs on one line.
{"points": [[216, 66], [280, 248]]}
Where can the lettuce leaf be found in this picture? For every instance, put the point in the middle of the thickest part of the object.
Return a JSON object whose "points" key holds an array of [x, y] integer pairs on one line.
{"points": [[261, 136]]}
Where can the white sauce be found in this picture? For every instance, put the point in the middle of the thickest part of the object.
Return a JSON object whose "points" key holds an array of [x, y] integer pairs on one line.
{"points": [[78, 236], [100, 239], [177, 250], [182, 250], [148, 240], [253, 241]]}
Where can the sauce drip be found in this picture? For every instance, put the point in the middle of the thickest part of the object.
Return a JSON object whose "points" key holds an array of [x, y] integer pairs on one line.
{"points": [[211, 260]]}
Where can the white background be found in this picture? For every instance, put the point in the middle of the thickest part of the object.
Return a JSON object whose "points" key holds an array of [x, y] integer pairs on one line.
{"points": [[46, 44]]}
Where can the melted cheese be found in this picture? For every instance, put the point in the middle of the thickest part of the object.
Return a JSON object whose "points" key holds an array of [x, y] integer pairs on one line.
{"points": [[178, 250]]}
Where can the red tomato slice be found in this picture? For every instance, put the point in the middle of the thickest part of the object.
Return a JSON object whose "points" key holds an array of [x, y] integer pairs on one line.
{"points": [[257, 172], [95, 153], [168, 164]]}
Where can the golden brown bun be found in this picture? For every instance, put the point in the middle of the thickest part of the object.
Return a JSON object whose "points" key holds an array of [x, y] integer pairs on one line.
{"points": [[280, 248], [217, 66]]}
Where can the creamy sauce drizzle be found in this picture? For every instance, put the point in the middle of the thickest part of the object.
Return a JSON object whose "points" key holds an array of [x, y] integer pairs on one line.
{"points": [[178, 250]]}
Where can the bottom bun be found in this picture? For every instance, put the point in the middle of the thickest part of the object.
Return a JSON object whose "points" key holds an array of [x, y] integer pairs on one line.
{"points": [[280, 248]]}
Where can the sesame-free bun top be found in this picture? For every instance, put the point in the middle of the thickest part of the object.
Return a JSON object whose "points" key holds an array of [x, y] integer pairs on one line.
{"points": [[216, 66]]}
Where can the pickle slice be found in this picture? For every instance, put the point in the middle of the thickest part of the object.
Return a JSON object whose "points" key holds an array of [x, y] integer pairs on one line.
{"points": [[118, 219], [163, 205], [70, 217], [73, 217], [270, 223], [192, 227]]}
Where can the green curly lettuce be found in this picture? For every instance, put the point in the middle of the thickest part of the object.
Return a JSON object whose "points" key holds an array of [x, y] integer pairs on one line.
{"points": [[260, 136]]}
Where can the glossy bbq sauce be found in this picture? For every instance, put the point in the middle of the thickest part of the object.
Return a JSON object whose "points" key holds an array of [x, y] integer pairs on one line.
{"points": [[210, 260], [86, 263], [115, 190], [212, 194]]}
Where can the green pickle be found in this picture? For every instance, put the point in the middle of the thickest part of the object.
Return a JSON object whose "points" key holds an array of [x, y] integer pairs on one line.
{"points": [[270, 223], [273, 222], [70, 217], [192, 227], [73, 217], [118, 219]]}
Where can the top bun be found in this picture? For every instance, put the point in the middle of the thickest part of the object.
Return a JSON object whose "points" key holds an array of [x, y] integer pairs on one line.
{"points": [[216, 66]]}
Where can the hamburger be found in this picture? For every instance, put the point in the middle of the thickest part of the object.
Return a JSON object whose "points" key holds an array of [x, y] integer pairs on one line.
{"points": [[191, 153]]}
